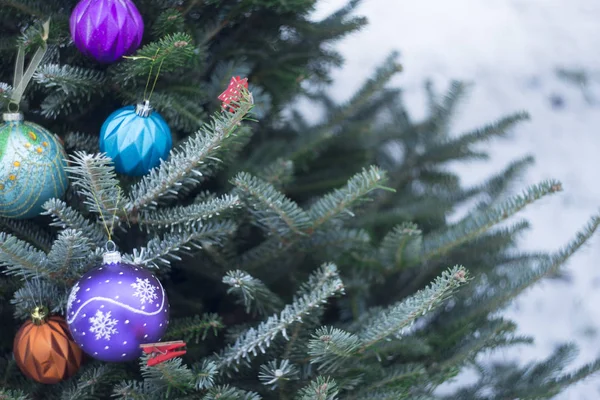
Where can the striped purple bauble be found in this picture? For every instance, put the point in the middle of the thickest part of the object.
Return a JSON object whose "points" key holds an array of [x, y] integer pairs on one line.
{"points": [[106, 29]]}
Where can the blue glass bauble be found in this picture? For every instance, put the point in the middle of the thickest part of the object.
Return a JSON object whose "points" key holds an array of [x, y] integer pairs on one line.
{"points": [[136, 138], [116, 307], [32, 167]]}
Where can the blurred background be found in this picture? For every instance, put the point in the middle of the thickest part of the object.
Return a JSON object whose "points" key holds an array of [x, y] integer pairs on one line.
{"points": [[541, 56]]}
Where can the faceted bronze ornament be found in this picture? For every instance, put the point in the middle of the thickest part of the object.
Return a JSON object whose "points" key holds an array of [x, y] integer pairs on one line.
{"points": [[44, 349]]}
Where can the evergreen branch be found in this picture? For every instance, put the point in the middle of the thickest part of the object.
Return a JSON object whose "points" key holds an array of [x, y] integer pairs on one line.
{"points": [[395, 320], [473, 225], [322, 388], [226, 392], [401, 247], [340, 201], [65, 217], [28, 231], [72, 81], [272, 208], [82, 142], [133, 390], [279, 173], [94, 177], [337, 241], [168, 22], [168, 375], [194, 328], [172, 52], [184, 166], [330, 347], [180, 216], [21, 259], [261, 337], [252, 293], [204, 374], [158, 251], [69, 255], [8, 394], [552, 264], [309, 145], [442, 112], [275, 374], [459, 148], [89, 382], [35, 292]]}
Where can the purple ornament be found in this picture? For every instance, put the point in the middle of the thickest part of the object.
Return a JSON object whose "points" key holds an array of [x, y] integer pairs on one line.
{"points": [[106, 29], [113, 309]]}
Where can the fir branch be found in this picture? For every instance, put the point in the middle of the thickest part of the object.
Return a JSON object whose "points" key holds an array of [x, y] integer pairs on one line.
{"points": [[172, 52], [401, 247], [261, 337], [184, 166], [28, 231], [95, 179], [549, 265], [396, 319], [168, 375], [473, 225], [82, 142], [8, 394], [66, 217], [21, 259], [134, 390], [194, 328], [279, 173], [459, 148], [226, 392], [337, 241], [168, 22], [329, 347], [69, 256], [204, 375], [273, 209], [252, 293], [89, 382], [158, 251], [275, 374], [36, 292], [339, 202], [398, 380], [72, 81], [443, 111], [181, 216], [322, 388]]}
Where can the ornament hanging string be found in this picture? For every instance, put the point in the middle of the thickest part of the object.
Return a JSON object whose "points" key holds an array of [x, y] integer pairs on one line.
{"points": [[22, 79], [153, 62]]}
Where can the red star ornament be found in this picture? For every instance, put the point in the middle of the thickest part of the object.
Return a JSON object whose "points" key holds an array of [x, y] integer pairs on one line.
{"points": [[233, 92]]}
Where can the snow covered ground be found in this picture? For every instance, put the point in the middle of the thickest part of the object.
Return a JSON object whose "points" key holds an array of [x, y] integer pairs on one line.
{"points": [[510, 50]]}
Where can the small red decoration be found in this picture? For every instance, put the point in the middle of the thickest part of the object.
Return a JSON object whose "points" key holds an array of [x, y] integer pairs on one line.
{"points": [[233, 92], [161, 352]]}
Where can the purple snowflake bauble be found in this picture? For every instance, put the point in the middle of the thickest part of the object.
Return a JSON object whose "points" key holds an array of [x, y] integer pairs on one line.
{"points": [[106, 29], [113, 309]]}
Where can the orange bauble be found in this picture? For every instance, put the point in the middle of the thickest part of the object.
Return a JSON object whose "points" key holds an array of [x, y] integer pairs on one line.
{"points": [[44, 349]]}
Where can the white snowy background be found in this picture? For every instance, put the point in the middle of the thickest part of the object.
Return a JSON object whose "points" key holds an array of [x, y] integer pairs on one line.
{"points": [[510, 50]]}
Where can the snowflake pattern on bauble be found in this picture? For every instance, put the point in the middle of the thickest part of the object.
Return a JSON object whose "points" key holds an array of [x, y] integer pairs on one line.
{"points": [[72, 295], [144, 290], [103, 325]]}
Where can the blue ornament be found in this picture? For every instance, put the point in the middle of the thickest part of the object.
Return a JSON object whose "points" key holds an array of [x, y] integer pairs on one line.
{"points": [[32, 167], [136, 138]]}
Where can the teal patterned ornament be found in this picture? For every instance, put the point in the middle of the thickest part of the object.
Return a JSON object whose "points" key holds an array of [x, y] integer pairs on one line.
{"points": [[32, 167]]}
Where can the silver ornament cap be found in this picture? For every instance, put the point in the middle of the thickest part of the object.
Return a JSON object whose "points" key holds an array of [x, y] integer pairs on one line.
{"points": [[12, 116], [112, 256], [143, 109]]}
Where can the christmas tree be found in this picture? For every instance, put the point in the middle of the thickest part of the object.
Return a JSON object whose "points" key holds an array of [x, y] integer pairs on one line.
{"points": [[198, 238]]}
